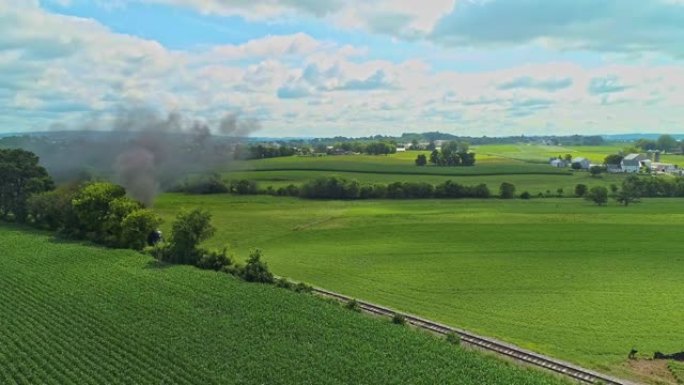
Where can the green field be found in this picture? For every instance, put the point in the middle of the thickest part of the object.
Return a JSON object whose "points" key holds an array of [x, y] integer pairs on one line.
{"points": [[559, 276], [526, 166], [73, 314]]}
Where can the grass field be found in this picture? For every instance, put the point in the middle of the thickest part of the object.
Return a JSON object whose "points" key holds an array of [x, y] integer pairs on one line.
{"points": [[532, 183], [73, 314], [559, 276], [677, 369]]}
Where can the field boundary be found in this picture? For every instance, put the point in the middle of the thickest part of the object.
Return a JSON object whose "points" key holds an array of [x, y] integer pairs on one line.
{"points": [[510, 351], [498, 173]]}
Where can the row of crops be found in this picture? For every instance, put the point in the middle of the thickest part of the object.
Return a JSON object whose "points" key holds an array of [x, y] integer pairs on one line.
{"points": [[74, 314]]}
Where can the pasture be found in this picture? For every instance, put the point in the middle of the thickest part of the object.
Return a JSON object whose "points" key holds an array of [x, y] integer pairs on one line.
{"points": [[559, 276], [76, 314]]}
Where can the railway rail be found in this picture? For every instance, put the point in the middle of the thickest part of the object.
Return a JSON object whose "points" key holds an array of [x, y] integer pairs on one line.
{"points": [[489, 344]]}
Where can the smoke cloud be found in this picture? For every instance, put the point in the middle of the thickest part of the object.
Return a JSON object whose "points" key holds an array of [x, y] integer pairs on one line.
{"points": [[143, 151]]}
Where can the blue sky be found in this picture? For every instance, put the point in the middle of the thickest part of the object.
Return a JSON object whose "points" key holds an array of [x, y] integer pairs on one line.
{"points": [[357, 67]]}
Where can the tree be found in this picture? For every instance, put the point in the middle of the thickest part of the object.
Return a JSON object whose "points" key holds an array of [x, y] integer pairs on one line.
{"points": [[576, 166], [581, 190], [667, 143], [112, 229], [435, 157], [646, 144], [568, 157], [629, 193], [613, 188], [52, 209], [421, 160], [595, 171], [187, 232], [598, 195], [415, 145], [91, 206], [506, 190], [613, 159], [20, 177]]}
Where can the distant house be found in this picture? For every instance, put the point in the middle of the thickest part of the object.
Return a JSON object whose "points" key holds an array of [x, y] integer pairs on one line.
{"points": [[559, 163], [401, 149], [614, 168], [583, 162], [632, 163]]}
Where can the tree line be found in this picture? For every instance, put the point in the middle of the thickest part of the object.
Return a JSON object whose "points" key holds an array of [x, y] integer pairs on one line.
{"points": [[451, 154], [101, 212]]}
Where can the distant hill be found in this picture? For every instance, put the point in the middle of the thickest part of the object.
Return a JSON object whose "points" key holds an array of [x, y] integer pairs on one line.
{"points": [[633, 137]]}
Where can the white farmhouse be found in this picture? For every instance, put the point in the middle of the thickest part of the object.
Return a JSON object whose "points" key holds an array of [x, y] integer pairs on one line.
{"points": [[632, 163]]}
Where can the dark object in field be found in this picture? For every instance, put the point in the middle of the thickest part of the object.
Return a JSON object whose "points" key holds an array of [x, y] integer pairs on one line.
{"points": [[675, 356], [632, 354], [154, 237]]}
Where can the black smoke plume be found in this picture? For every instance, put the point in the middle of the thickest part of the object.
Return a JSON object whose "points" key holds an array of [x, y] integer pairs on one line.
{"points": [[143, 151]]}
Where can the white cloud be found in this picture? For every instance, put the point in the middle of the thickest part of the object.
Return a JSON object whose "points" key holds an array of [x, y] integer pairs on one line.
{"points": [[55, 68], [632, 26]]}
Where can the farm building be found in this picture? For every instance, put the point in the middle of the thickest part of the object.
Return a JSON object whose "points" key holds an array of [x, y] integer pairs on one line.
{"points": [[583, 162], [633, 162], [663, 167], [559, 163], [614, 168], [401, 149]]}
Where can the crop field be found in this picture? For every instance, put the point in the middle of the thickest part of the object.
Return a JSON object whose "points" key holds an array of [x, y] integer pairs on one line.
{"points": [[523, 165], [74, 314], [559, 276]]}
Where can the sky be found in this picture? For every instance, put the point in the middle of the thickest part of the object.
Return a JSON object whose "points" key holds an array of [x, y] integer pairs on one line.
{"points": [[316, 68]]}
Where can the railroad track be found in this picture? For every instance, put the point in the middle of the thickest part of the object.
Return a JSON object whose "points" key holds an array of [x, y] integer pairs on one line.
{"points": [[489, 344]]}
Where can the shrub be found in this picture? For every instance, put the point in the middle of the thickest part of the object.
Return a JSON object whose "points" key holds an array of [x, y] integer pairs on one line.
{"points": [[525, 195], [256, 270], [398, 319], [136, 228], [453, 338], [284, 283], [352, 305], [302, 287], [214, 260]]}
